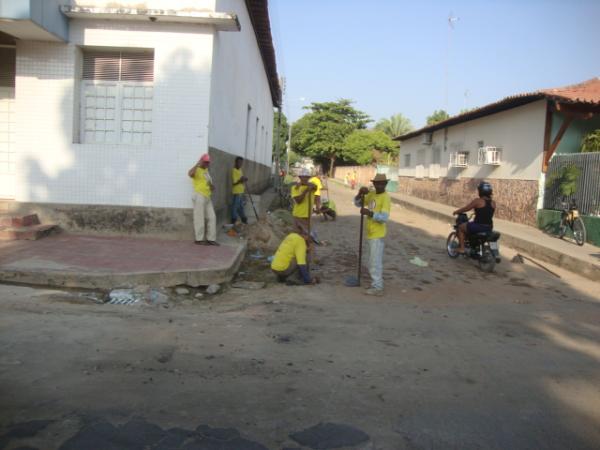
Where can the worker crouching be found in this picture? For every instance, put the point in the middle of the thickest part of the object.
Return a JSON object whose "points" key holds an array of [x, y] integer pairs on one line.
{"points": [[290, 259]]}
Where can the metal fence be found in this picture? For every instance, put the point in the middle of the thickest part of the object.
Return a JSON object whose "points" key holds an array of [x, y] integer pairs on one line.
{"points": [[587, 194]]}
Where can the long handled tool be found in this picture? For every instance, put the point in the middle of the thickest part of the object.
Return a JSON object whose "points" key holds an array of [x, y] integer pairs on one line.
{"points": [[251, 200], [350, 280]]}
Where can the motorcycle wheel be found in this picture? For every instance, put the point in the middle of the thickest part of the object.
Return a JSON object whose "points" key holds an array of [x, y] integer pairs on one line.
{"points": [[579, 232], [452, 245], [487, 262]]}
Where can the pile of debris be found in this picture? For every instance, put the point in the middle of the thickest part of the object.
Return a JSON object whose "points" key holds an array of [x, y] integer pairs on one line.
{"points": [[266, 234]]}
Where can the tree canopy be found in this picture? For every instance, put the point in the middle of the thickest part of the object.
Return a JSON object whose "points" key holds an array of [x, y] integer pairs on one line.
{"points": [[438, 115], [396, 125], [283, 134], [321, 133], [364, 146]]}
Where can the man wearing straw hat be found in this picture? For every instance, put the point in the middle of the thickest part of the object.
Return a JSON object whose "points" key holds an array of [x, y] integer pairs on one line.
{"points": [[376, 206]]}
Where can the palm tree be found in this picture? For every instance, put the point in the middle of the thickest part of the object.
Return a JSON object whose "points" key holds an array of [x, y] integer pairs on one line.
{"points": [[395, 126]]}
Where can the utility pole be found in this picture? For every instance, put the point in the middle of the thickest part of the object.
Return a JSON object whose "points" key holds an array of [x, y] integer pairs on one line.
{"points": [[451, 20], [278, 137]]}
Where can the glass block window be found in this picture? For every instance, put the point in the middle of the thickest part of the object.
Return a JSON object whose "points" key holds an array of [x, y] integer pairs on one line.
{"points": [[116, 106]]}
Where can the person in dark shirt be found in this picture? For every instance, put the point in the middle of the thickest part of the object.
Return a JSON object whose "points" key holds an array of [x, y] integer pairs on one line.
{"points": [[484, 208]]}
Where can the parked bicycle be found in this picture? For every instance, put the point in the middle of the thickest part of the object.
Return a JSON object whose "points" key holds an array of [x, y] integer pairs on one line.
{"points": [[570, 218]]}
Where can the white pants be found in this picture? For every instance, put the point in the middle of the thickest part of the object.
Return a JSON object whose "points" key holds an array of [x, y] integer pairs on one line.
{"points": [[204, 212], [376, 262]]}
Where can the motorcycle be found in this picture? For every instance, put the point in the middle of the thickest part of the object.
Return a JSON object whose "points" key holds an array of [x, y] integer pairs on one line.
{"points": [[482, 247]]}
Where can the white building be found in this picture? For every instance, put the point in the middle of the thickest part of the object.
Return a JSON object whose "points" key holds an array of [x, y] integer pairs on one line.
{"points": [[508, 143], [105, 105]]}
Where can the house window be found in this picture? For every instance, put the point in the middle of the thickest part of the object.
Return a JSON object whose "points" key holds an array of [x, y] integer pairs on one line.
{"points": [[407, 160], [116, 99]]}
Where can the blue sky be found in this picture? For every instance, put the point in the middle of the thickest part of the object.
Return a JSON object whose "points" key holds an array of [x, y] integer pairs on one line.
{"points": [[389, 55]]}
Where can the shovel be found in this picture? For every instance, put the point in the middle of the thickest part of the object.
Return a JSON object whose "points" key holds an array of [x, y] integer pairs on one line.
{"points": [[351, 280]]}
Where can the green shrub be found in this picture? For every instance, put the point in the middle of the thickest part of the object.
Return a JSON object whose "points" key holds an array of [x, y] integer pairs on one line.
{"points": [[591, 142], [566, 178]]}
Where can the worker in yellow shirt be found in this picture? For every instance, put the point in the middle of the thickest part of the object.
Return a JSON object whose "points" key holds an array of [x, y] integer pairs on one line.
{"points": [[290, 258], [376, 206], [318, 186], [204, 213], [238, 181], [302, 194]]}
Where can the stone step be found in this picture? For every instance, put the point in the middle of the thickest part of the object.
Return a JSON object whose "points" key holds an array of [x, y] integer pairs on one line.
{"points": [[30, 233], [19, 221]]}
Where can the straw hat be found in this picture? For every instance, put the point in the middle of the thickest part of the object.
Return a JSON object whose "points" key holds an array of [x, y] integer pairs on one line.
{"points": [[380, 177]]}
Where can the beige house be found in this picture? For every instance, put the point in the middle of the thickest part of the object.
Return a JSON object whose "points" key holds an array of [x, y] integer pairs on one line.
{"points": [[509, 143]]}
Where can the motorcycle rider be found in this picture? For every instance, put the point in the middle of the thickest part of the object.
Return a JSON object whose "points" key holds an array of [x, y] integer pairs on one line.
{"points": [[484, 208]]}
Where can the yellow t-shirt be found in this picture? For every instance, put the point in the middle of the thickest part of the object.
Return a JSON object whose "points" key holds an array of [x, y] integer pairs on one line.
{"points": [[202, 181], [236, 174], [317, 182], [300, 210], [377, 203], [293, 246], [330, 204]]}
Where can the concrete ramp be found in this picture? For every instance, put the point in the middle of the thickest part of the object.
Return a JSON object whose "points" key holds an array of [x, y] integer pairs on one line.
{"points": [[100, 262]]}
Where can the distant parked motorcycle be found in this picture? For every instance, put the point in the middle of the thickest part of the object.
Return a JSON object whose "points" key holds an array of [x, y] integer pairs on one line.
{"points": [[480, 246]]}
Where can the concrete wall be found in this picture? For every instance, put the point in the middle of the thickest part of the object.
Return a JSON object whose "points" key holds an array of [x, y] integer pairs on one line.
{"points": [[515, 199], [519, 131], [52, 167], [239, 81], [199, 5], [34, 19]]}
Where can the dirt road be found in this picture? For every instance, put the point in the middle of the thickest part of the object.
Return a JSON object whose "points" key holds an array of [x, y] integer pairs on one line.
{"points": [[448, 358]]}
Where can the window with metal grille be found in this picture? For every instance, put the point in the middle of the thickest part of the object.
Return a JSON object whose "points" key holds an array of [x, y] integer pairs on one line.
{"points": [[116, 98], [7, 67]]}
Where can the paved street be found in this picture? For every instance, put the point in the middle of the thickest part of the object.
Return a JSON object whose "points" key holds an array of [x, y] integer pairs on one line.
{"points": [[450, 357]]}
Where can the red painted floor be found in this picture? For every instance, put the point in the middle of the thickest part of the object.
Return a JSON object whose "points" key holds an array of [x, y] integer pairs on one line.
{"points": [[113, 254]]}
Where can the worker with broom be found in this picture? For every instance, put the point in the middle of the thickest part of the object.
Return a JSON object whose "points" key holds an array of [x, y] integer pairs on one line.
{"points": [[375, 205], [290, 259], [238, 181]]}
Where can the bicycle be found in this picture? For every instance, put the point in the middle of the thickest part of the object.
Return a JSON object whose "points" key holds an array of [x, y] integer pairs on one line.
{"points": [[570, 218]]}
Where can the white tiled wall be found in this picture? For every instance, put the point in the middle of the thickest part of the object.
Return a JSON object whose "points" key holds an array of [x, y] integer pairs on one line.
{"points": [[239, 80], [7, 142], [53, 167]]}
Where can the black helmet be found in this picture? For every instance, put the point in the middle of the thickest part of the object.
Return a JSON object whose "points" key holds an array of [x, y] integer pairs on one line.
{"points": [[485, 189]]}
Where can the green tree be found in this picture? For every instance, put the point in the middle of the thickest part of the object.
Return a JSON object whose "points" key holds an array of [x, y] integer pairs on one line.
{"points": [[439, 115], [566, 178], [591, 142], [282, 136], [321, 132], [364, 146], [396, 125]]}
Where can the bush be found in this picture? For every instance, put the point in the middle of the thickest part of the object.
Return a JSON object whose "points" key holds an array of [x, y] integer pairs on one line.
{"points": [[566, 178], [591, 142]]}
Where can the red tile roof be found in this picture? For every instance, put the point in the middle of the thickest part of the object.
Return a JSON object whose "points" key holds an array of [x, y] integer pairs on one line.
{"points": [[586, 93]]}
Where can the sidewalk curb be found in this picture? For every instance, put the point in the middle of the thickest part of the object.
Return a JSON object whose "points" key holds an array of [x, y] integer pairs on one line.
{"points": [[567, 262], [99, 280]]}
